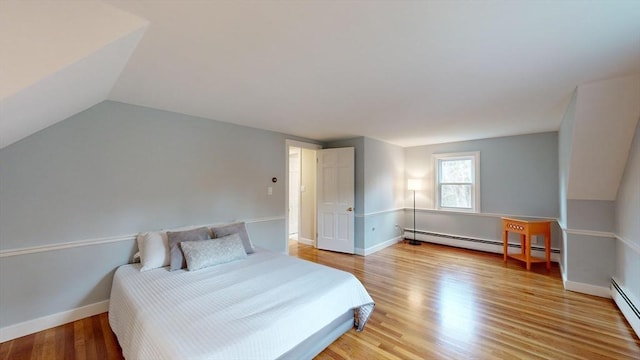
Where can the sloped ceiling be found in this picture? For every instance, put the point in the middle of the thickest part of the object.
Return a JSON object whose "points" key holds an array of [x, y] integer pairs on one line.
{"points": [[605, 121], [406, 72], [57, 59]]}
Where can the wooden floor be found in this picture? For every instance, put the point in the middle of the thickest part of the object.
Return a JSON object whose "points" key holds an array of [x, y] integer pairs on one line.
{"points": [[432, 302]]}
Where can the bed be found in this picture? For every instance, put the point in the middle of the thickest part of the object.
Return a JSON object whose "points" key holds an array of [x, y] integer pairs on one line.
{"points": [[267, 306]]}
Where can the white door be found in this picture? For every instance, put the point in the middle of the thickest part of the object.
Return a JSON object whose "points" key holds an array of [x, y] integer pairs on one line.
{"points": [[336, 199]]}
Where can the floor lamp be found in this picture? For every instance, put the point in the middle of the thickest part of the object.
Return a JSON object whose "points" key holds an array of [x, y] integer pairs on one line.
{"points": [[413, 185]]}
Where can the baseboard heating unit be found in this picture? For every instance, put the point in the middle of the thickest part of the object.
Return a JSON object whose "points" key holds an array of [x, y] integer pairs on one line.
{"points": [[494, 246], [626, 306]]}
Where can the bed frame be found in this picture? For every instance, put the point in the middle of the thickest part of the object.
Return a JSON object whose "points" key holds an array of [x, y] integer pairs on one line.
{"points": [[317, 342]]}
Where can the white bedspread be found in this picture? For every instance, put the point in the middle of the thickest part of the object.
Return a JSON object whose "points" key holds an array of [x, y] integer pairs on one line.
{"points": [[257, 308]]}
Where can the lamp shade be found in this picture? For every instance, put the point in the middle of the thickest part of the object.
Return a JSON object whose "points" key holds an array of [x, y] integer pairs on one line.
{"points": [[414, 184]]}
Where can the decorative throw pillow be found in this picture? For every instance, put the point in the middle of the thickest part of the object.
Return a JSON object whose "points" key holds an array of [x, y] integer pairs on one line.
{"points": [[154, 250], [235, 228], [201, 254], [177, 260]]}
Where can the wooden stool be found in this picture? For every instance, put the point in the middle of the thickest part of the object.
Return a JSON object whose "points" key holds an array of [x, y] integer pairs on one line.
{"points": [[527, 228]]}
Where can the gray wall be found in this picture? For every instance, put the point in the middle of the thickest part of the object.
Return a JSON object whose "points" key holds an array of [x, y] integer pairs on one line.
{"points": [[385, 188], [518, 174], [518, 177], [590, 215], [627, 225], [118, 169], [384, 176]]}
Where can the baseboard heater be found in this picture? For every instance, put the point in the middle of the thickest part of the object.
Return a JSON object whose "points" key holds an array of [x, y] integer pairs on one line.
{"points": [[626, 306], [410, 232]]}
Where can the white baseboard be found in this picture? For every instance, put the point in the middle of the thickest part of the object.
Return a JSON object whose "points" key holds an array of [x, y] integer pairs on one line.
{"points": [[601, 291], [306, 241], [371, 250], [625, 308], [582, 287], [46, 322], [492, 246], [563, 274]]}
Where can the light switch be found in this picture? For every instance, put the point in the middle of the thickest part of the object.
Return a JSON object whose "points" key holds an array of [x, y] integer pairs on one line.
{"points": [[302, 188], [270, 190]]}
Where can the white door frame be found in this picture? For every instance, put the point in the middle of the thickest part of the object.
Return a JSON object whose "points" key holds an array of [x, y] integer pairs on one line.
{"points": [[288, 144], [292, 181]]}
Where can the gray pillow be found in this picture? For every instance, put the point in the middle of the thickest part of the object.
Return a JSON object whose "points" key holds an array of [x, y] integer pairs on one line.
{"points": [[235, 228], [176, 237], [201, 254]]}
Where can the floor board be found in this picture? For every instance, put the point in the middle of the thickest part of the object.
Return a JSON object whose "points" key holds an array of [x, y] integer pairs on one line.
{"points": [[432, 302]]}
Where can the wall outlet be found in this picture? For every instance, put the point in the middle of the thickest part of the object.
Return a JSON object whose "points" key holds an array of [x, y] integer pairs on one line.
{"points": [[270, 190]]}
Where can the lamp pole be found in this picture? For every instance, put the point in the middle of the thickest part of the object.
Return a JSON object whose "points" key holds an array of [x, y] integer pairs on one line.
{"points": [[414, 241], [413, 185]]}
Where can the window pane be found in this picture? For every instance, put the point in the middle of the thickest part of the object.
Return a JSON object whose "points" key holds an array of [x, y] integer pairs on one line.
{"points": [[456, 171], [455, 196]]}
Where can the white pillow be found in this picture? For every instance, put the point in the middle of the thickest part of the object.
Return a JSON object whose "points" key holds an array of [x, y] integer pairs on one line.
{"points": [[205, 253], [154, 250]]}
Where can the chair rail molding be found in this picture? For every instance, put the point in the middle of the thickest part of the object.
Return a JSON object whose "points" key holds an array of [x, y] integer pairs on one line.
{"points": [[107, 240]]}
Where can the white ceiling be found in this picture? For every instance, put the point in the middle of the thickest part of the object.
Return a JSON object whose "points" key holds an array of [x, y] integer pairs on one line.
{"points": [[57, 59], [406, 72]]}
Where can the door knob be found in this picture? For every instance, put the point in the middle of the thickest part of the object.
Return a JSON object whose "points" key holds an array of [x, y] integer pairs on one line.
{"points": [[350, 209]]}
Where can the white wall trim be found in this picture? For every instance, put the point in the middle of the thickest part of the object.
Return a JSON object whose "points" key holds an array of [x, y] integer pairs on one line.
{"points": [[563, 275], [300, 144], [105, 240], [306, 241], [487, 245], [379, 212], [633, 246], [256, 220], [46, 322], [483, 214], [66, 245], [378, 247], [624, 307], [593, 233], [601, 291]]}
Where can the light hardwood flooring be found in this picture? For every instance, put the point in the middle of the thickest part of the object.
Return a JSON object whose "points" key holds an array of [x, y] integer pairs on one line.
{"points": [[432, 302]]}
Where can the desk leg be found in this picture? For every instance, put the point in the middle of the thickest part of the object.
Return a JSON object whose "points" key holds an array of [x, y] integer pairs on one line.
{"points": [[523, 245], [547, 248], [527, 247], [505, 238]]}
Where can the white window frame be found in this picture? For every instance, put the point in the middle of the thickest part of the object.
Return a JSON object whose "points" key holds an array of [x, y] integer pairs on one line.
{"points": [[475, 188]]}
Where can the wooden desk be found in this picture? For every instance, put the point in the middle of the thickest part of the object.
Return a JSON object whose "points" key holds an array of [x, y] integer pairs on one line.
{"points": [[527, 228]]}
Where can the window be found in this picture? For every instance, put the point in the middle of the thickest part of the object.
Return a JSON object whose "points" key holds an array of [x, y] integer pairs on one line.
{"points": [[457, 178]]}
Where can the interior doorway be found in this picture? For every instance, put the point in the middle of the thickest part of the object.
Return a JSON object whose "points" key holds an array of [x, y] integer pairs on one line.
{"points": [[294, 192], [301, 200]]}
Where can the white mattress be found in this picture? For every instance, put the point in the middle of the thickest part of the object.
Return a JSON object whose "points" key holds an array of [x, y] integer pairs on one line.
{"points": [[257, 308]]}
